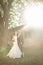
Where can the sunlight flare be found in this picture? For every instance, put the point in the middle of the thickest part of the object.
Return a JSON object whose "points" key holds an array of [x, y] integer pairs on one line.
{"points": [[33, 15]]}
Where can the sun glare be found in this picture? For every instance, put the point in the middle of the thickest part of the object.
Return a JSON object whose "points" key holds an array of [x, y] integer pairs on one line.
{"points": [[33, 15]]}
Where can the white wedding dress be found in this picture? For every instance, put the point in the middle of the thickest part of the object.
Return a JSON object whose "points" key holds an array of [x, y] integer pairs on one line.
{"points": [[15, 51]]}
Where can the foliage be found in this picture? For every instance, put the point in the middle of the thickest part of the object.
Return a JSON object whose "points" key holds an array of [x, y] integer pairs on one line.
{"points": [[11, 12], [16, 10]]}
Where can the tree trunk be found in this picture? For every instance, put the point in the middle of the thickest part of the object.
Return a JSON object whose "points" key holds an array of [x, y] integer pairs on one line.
{"points": [[6, 17], [4, 20]]}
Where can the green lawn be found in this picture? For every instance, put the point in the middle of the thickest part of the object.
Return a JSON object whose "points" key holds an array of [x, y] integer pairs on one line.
{"points": [[32, 56]]}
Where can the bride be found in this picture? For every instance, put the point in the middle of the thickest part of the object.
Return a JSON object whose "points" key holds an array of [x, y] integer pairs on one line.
{"points": [[15, 51]]}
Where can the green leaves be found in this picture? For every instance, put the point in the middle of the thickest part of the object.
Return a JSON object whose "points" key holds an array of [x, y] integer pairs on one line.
{"points": [[5, 1], [15, 13]]}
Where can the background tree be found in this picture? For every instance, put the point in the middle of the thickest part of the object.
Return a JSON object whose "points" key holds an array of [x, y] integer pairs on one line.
{"points": [[11, 16]]}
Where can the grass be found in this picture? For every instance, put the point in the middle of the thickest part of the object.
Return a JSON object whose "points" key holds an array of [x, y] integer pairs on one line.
{"points": [[32, 56]]}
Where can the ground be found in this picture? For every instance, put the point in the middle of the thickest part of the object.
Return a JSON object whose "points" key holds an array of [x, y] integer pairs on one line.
{"points": [[33, 53], [32, 56]]}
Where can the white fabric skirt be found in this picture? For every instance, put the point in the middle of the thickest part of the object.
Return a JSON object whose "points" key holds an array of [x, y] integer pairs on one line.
{"points": [[15, 51]]}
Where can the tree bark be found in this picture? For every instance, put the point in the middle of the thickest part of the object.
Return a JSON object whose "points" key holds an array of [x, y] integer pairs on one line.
{"points": [[4, 20]]}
